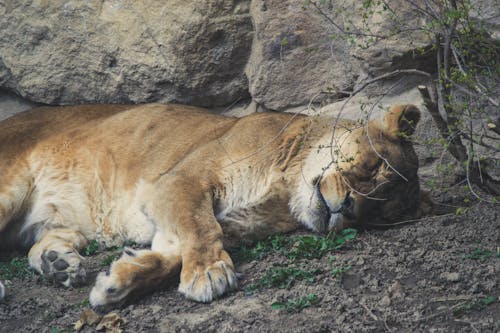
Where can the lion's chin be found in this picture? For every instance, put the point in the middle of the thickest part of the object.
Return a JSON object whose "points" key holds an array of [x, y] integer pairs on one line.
{"points": [[325, 221], [339, 222]]}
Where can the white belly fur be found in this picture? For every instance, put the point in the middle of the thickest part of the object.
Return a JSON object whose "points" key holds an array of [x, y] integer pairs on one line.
{"points": [[65, 203]]}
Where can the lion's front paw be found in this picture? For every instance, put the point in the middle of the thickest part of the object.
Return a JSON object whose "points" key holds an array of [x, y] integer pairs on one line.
{"points": [[63, 267], [205, 283]]}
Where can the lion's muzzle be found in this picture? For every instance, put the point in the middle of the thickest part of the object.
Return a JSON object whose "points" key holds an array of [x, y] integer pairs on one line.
{"points": [[336, 218], [347, 207]]}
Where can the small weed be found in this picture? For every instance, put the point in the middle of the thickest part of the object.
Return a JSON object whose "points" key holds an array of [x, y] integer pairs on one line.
{"points": [[56, 330], [296, 247], [340, 270], [262, 249], [314, 247], [109, 259], [83, 304], [16, 268], [90, 249], [296, 305], [476, 305], [478, 254], [283, 278], [489, 300]]}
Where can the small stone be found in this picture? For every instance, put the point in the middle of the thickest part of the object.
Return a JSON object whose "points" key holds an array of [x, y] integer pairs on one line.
{"points": [[395, 290], [385, 301], [451, 277]]}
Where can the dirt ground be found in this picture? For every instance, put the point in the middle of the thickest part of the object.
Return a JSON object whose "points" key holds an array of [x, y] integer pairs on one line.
{"points": [[439, 274]]}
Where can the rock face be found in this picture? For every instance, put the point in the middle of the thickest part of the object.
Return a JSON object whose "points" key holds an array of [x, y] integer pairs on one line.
{"points": [[293, 57], [121, 51], [279, 53]]}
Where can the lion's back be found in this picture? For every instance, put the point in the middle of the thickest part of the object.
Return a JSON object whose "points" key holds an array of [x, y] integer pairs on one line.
{"points": [[23, 131]]}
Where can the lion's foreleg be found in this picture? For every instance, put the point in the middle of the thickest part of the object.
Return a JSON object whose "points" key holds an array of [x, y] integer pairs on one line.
{"points": [[184, 204]]}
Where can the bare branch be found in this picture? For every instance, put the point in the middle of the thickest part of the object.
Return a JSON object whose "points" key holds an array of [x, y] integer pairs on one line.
{"points": [[388, 76], [476, 87], [345, 32]]}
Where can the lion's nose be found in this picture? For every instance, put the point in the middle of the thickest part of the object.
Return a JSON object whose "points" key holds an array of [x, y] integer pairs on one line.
{"points": [[347, 207]]}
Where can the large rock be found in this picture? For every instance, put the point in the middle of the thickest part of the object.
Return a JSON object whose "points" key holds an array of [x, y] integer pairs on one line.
{"points": [[293, 58], [300, 51], [65, 52]]}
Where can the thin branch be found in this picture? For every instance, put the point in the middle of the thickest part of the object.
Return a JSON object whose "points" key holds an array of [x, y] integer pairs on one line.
{"points": [[409, 221], [480, 142], [388, 76], [369, 311], [422, 10], [349, 33], [463, 89]]}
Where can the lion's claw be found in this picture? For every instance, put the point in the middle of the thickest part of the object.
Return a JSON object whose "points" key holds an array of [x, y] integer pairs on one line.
{"points": [[208, 284]]}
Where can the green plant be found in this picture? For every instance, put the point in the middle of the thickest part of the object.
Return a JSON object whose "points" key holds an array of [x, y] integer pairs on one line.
{"points": [[57, 330], [478, 254], [293, 248], [298, 304], [315, 247], [18, 268], [340, 270], [261, 249], [109, 259], [283, 278], [83, 304], [296, 247], [90, 249], [476, 305]]}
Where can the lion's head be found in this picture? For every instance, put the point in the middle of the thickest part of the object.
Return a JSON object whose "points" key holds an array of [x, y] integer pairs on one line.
{"points": [[362, 175]]}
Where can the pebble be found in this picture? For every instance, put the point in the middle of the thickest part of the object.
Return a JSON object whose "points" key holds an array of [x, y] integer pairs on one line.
{"points": [[385, 301], [452, 277]]}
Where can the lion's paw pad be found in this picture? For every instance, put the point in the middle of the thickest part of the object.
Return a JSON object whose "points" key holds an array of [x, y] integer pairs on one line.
{"points": [[207, 284], [65, 268]]}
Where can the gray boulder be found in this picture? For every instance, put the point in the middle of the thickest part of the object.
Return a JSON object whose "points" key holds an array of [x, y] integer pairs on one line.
{"points": [[66, 52]]}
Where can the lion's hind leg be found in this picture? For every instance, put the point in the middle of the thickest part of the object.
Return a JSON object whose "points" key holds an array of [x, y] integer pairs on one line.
{"points": [[136, 272], [56, 256], [16, 184]]}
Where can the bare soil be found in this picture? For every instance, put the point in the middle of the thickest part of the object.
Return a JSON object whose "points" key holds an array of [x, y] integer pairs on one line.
{"points": [[438, 274]]}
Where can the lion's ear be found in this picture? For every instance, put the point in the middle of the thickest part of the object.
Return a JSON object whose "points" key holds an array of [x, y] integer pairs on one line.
{"points": [[401, 120]]}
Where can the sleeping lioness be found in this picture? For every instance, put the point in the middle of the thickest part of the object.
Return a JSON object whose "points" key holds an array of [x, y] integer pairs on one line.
{"points": [[188, 183]]}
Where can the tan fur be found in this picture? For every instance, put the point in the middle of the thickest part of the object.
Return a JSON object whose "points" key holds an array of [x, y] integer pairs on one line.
{"points": [[189, 183]]}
